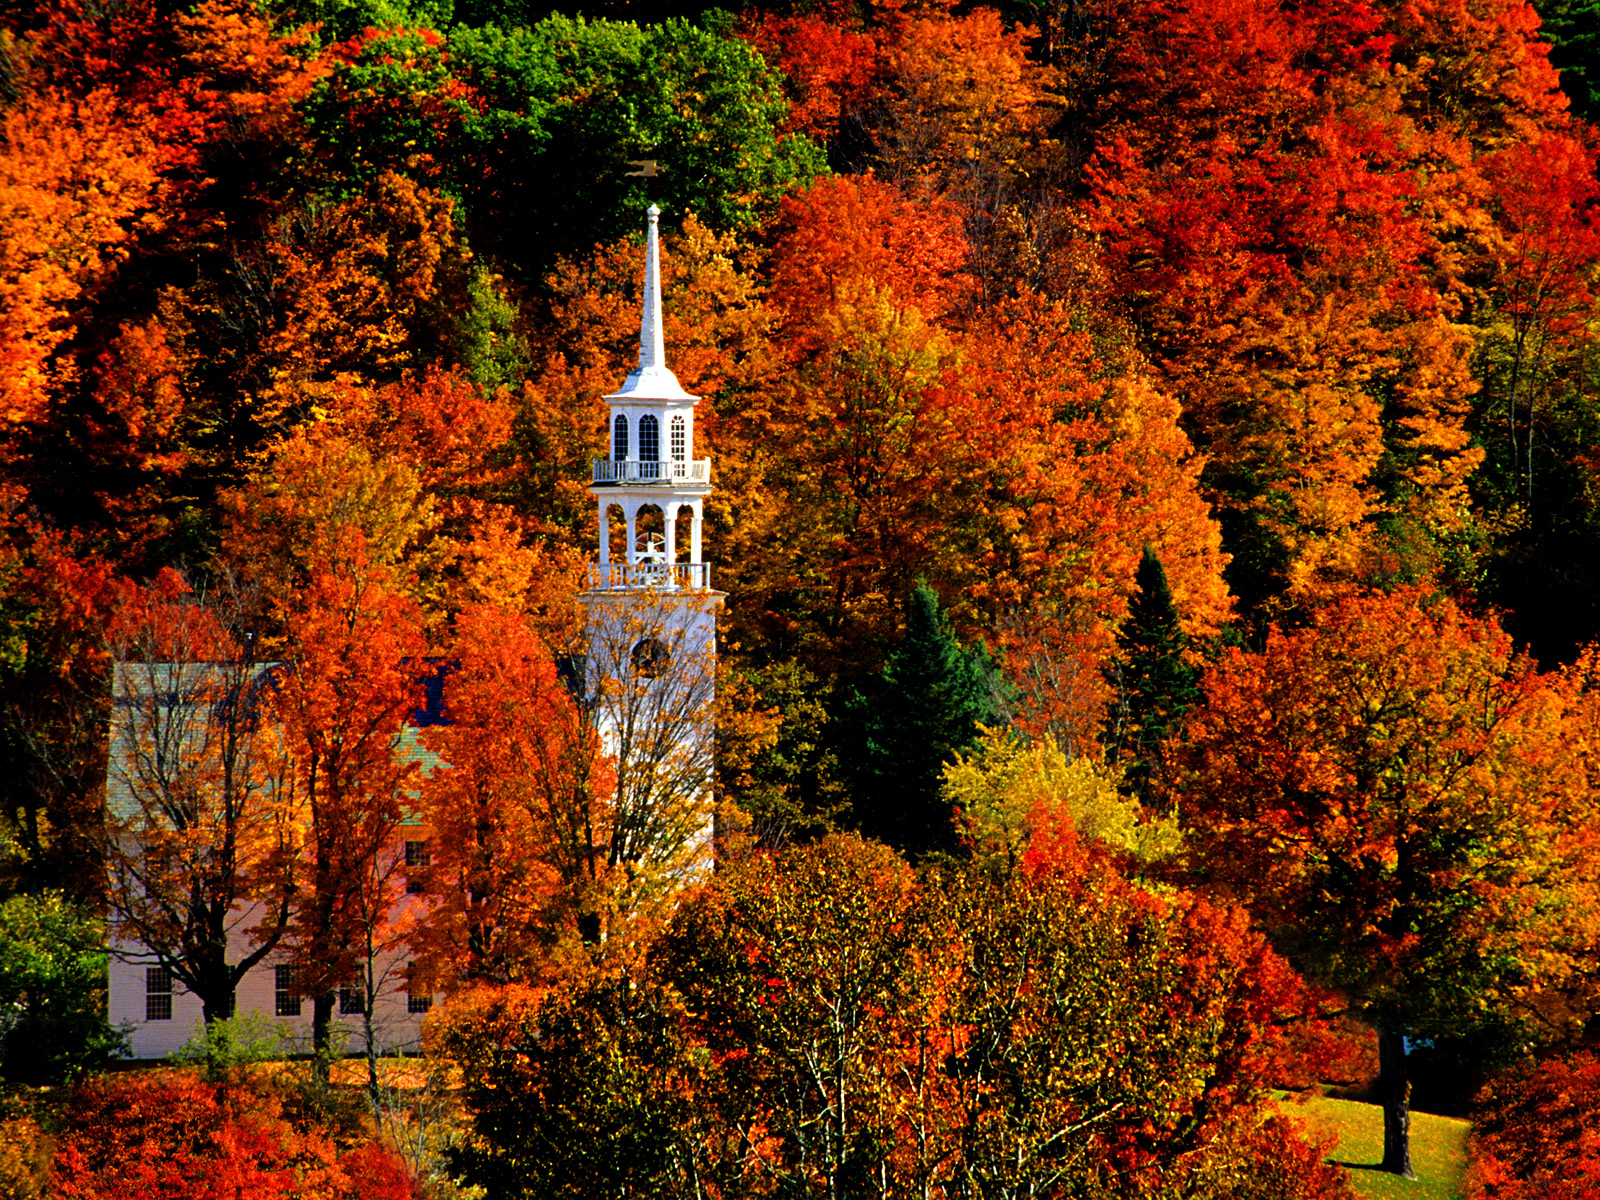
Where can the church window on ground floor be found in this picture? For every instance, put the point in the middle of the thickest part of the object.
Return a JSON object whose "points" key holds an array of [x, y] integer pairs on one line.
{"points": [[157, 994], [286, 995]]}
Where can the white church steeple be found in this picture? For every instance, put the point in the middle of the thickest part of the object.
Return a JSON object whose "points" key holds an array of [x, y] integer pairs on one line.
{"points": [[652, 463], [650, 674]]}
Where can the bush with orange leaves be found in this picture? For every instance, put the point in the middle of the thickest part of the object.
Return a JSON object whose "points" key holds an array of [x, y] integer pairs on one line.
{"points": [[1536, 1133], [168, 1135]]}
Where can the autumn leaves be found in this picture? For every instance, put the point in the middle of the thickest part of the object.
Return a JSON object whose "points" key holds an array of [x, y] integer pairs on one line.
{"points": [[1280, 312]]}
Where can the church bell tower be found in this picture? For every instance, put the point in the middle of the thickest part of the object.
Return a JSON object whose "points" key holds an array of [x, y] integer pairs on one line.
{"points": [[651, 611]]}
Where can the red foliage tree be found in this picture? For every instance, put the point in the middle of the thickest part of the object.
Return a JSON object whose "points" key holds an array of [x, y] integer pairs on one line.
{"points": [[829, 68], [351, 683], [517, 812]]}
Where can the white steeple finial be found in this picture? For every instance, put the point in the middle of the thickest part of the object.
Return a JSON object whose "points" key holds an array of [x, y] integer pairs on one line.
{"points": [[651, 380]]}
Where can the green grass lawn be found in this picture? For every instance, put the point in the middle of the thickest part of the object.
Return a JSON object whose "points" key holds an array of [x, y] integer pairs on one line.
{"points": [[1438, 1149]]}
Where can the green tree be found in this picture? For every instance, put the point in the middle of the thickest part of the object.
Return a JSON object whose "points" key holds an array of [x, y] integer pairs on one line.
{"points": [[581, 101], [1159, 684], [1573, 29], [931, 700], [52, 990]]}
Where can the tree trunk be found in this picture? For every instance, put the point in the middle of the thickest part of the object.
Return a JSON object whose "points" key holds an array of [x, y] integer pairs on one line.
{"points": [[1394, 1093], [322, 1038], [369, 987], [217, 1004]]}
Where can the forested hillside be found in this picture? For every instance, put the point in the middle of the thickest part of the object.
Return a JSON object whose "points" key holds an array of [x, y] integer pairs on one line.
{"points": [[1156, 448]]}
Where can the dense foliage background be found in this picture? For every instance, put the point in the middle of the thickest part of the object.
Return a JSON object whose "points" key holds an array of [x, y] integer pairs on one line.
{"points": [[1157, 462]]}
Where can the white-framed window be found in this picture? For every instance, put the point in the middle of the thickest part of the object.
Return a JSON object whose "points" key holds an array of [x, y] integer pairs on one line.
{"points": [[649, 439], [417, 1000], [157, 994], [680, 438], [619, 438], [286, 991]]}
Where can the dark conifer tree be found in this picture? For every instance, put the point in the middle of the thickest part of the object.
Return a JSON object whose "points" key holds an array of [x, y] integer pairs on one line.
{"points": [[1158, 684], [933, 696], [1572, 27]]}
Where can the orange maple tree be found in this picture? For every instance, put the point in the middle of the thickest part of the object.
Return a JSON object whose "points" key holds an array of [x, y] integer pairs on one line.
{"points": [[518, 812], [200, 813], [351, 683], [1391, 790]]}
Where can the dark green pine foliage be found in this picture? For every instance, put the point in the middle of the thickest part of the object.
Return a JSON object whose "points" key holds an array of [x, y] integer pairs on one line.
{"points": [[933, 696], [1158, 685], [1573, 29]]}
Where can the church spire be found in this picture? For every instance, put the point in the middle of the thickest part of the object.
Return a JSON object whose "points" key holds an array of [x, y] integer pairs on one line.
{"points": [[651, 380], [651, 468], [652, 353]]}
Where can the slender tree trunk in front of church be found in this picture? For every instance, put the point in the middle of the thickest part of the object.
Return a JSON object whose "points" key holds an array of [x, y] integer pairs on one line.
{"points": [[322, 1038]]}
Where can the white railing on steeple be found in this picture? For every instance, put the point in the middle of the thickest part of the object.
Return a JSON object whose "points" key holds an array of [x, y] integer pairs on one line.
{"points": [[650, 575], [610, 470]]}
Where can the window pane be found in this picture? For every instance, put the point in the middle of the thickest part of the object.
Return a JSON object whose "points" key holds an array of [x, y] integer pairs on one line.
{"points": [[649, 439], [619, 439], [679, 439], [416, 1003], [351, 1000]]}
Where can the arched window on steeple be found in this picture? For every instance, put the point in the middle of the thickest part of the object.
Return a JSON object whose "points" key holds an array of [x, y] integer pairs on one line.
{"points": [[649, 439], [619, 438], [680, 439]]}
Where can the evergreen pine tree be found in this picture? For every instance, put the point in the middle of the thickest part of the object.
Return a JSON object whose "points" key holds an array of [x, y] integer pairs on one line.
{"points": [[933, 696], [1572, 27], [1158, 685]]}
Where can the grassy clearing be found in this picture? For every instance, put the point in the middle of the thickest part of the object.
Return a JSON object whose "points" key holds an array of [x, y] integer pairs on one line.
{"points": [[1438, 1149]]}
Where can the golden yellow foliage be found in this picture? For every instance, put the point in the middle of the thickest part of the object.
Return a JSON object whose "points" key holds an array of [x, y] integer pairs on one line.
{"points": [[1009, 788]]}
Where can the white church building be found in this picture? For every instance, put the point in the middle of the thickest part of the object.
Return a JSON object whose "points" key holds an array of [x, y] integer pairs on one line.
{"points": [[650, 678]]}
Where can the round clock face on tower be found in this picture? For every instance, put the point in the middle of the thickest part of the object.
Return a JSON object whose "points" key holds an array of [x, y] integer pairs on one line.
{"points": [[650, 657]]}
